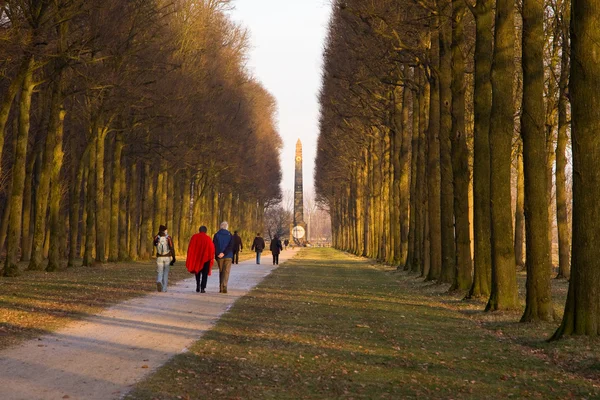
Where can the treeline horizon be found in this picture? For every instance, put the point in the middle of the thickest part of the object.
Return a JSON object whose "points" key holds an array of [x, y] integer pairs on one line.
{"points": [[120, 116], [425, 105]]}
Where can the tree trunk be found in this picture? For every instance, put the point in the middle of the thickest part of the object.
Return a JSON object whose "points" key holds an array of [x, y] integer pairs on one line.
{"points": [[482, 98], [122, 253], [113, 248], [90, 232], [27, 205], [448, 249], [582, 310], [433, 165], [101, 222], [366, 194], [417, 263], [134, 206], [7, 102], [6, 211], [160, 206], [84, 196], [396, 176], [520, 211], [413, 180], [11, 268], [562, 219], [75, 200], [539, 297], [460, 154], [43, 191], [184, 224], [147, 228], [169, 184], [55, 232], [405, 183], [504, 279], [177, 200]]}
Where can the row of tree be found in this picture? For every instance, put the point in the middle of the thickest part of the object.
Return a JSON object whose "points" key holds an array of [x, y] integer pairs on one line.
{"points": [[120, 116], [426, 108]]}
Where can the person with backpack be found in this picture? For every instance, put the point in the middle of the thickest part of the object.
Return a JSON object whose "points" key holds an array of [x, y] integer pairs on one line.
{"points": [[200, 258], [276, 249], [165, 257], [237, 247], [258, 245], [223, 241]]}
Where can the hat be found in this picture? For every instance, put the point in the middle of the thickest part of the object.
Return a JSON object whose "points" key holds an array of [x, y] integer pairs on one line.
{"points": [[162, 228]]}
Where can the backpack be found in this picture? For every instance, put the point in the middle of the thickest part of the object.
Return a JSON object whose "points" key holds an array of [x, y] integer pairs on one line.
{"points": [[162, 247]]}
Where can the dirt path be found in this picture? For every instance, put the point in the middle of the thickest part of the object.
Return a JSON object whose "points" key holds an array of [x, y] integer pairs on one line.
{"points": [[103, 356]]}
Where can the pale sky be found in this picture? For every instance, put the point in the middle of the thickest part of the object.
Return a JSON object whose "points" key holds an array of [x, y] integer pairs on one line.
{"points": [[287, 40]]}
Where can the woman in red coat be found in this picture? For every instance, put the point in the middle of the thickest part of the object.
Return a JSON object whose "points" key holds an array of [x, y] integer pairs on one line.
{"points": [[200, 258]]}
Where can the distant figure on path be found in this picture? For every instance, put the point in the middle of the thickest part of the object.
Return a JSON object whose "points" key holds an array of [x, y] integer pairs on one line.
{"points": [[165, 257], [200, 258], [276, 249], [237, 247], [223, 241], [258, 246], [286, 243]]}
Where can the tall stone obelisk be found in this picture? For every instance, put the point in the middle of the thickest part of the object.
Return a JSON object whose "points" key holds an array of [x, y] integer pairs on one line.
{"points": [[299, 229]]}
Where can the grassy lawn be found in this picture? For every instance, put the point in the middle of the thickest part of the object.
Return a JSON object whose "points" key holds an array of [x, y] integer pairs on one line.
{"points": [[328, 325], [39, 302]]}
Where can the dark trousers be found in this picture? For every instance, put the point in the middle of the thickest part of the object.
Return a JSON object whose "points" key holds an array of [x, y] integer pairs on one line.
{"points": [[236, 257], [275, 258], [204, 275]]}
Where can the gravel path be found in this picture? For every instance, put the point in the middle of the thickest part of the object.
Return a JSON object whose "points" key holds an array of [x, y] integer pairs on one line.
{"points": [[103, 356]]}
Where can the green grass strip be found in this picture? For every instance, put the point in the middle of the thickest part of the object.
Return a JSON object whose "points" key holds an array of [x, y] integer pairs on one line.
{"points": [[329, 326]]}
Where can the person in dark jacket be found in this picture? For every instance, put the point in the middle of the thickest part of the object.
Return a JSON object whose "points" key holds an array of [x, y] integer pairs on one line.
{"points": [[286, 243], [258, 246], [276, 249], [237, 247], [223, 241]]}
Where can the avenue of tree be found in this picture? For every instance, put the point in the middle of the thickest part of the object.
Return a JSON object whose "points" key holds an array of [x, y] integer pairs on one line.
{"points": [[119, 116], [444, 144]]}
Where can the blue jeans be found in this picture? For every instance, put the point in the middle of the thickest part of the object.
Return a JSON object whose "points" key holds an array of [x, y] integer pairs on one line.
{"points": [[163, 264], [258, 257]]}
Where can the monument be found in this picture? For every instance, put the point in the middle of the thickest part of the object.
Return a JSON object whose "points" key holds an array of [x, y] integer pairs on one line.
{"points": [[299, 231]]}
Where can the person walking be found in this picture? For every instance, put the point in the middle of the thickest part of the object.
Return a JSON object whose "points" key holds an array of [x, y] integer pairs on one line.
{"points": [[237, 247], [200, 258], [286, 243], [165, 257], [223, 241], [258, 246], [276, 249]]}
